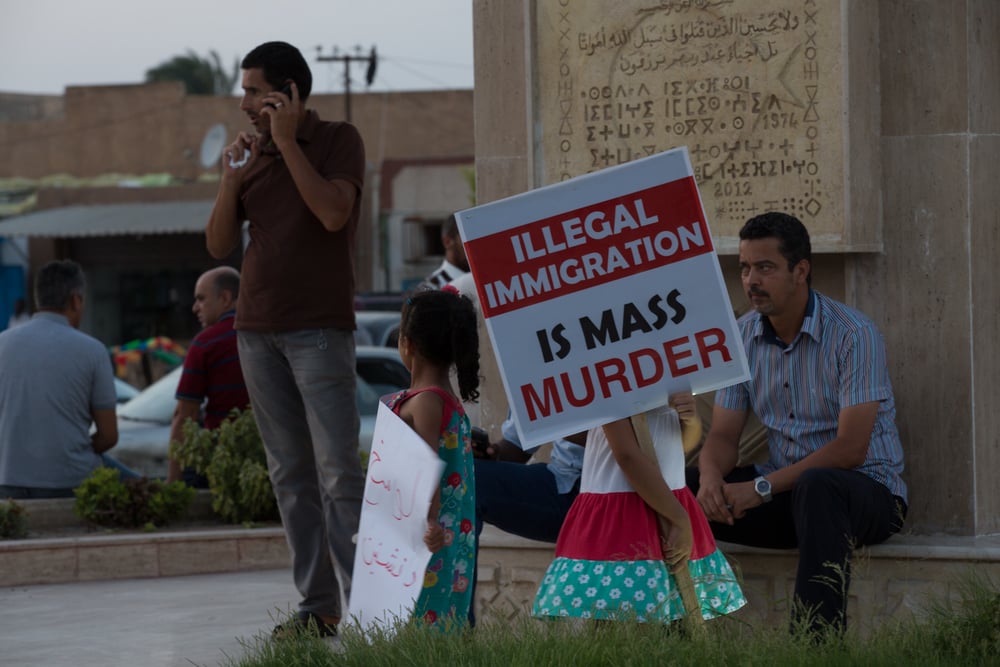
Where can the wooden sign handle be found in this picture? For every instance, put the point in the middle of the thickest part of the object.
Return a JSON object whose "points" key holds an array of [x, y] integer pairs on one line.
{"points": [[682, 575]]}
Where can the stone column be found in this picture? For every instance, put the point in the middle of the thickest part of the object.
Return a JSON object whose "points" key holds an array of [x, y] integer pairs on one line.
{"points": [[877, 124], [934, 289]]}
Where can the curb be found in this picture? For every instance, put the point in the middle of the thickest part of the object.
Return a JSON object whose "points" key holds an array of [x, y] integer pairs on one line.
{"points": [[196, 549], [143, 555]]}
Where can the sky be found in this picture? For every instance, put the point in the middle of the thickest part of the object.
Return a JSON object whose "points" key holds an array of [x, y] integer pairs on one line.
{"points": [[46, 45]]}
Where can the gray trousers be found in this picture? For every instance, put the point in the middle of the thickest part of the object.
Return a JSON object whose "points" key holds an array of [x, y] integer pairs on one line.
{"points": [[302, 391]]}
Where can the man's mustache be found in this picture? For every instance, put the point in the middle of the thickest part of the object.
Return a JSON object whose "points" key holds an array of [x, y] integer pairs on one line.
{"points": [[758, 292]]}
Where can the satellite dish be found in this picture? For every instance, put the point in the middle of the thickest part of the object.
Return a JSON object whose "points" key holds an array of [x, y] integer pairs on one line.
{"points": [[212, 145]]}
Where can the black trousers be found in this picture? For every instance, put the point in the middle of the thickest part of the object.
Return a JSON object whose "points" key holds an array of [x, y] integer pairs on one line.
{"points": [[826, 515]]}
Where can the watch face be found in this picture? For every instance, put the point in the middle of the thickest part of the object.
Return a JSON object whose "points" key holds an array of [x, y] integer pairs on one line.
{"points": [[763, 487]]}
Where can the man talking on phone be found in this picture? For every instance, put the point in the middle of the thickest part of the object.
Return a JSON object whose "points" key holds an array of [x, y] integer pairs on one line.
{"points": [[297, 180]]}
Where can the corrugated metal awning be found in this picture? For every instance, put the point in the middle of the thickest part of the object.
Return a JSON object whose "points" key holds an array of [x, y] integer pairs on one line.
{"points": [[173, 217]]}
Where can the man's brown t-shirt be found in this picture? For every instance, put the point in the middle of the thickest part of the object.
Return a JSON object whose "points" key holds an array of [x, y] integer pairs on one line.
{"points": [[296, 274]]}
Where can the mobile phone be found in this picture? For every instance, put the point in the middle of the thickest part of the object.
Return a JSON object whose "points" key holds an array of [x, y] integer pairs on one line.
{"points": [[480, 439], [286, 90]]}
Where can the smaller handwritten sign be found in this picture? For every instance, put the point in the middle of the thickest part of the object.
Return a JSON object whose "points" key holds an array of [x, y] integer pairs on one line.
{"points": [[391, 557]]}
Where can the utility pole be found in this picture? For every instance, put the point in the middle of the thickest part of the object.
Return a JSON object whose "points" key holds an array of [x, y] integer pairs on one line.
{"points": [[371, 59]]}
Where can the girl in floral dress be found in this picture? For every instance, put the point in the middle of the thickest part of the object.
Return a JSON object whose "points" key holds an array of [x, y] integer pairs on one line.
{"points": [[438, 330], [631, 523]]}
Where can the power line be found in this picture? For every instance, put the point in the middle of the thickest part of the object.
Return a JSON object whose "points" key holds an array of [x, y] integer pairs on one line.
{"points": [[422, 75], [371, 60], [435, 63]]}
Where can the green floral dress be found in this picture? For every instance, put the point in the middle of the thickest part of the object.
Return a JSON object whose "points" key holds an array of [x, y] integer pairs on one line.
{"points": [[446, 597]]}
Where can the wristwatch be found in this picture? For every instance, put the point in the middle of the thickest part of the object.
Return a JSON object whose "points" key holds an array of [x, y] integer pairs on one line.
{"points": [[763, 488]]}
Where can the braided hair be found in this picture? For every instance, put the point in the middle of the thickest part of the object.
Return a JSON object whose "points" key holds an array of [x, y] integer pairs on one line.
{"points": [[442, 326]]}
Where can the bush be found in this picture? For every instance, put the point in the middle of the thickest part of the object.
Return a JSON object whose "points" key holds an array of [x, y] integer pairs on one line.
{"points": [[13, 521], [104, 499], [232, 458]]}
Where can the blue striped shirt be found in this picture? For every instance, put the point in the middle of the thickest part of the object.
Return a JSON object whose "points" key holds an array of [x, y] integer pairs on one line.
{"points": [[837, 360]]}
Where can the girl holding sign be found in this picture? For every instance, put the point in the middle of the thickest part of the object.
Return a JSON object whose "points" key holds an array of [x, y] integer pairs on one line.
{"points": [[632, 524], [438, 330]]}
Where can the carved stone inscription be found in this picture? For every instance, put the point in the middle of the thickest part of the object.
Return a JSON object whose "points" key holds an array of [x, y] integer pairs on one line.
{"points": [[753, 88]]}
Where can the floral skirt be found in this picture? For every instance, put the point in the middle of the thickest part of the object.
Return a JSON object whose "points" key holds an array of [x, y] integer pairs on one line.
{"points": [[609, 565]]}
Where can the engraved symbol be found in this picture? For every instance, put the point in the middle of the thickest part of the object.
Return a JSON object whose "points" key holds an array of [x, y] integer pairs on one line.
{"points": [[811, 115]]}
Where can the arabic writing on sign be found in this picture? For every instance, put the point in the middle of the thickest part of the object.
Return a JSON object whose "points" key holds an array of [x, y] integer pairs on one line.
{"points": [[384, 488], [390, 560], [378, 555]]}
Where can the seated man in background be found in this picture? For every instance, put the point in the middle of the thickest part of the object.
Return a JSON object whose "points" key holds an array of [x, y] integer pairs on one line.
{"points": [[212, 371], [56, 382], [819, 383], [455, 263], [526, 499]]}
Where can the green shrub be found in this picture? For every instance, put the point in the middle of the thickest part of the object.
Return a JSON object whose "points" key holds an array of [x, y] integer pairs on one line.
{"points": [[13, 521], [232, 458], [104, 499]]}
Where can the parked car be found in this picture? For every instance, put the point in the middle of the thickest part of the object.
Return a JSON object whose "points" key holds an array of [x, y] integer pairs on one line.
{"points": [[385, 301], [124, 392], [144, 421], [377, 327]]}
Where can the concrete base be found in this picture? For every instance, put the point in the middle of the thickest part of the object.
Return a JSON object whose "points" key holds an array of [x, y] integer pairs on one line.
{"points": [[890, 581], [894, 580], [60, 549]]}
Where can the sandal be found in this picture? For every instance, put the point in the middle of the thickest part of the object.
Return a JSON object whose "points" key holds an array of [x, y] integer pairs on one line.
{"points": [[304, 623]]}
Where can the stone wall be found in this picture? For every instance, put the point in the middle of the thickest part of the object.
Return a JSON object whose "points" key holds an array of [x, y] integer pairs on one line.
{"points": [[893, 581], [910, 220]]}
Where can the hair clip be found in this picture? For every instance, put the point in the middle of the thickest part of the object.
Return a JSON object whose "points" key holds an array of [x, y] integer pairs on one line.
{"points": [[451, 289]]}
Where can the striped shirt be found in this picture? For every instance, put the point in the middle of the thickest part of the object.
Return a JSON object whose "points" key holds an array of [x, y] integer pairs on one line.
{"points": [[212, 371], [837, 360]]}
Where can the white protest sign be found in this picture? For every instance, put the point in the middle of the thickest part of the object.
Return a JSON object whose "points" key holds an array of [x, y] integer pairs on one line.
{"points": [[389, 563], [602, 295]]}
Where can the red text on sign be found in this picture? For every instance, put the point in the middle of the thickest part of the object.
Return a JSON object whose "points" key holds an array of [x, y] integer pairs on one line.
{"points": [[640, 368]]}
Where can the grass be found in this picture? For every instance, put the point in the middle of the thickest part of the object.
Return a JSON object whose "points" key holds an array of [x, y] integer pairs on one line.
{"points": [[962, 630]]}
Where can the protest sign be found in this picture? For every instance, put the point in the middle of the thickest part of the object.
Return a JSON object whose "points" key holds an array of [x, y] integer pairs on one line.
{"points": [[389, 563], [602, 295]]}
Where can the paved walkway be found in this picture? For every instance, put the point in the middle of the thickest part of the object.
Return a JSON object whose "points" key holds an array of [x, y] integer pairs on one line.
{"points": [[164, 622]]}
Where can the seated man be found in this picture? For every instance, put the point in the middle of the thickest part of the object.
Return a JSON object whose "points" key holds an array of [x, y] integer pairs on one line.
{"points": [[56, 382], [526, 500], [212, 366], [820, 385]]}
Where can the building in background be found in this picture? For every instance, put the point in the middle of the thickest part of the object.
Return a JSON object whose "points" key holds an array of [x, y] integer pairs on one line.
{"points": [[121, 179]]}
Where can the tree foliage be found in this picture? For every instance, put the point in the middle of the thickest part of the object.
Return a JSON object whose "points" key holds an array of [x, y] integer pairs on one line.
{"points": [[201, 76]]}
